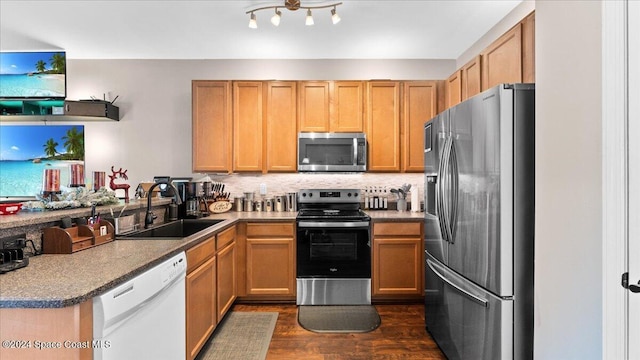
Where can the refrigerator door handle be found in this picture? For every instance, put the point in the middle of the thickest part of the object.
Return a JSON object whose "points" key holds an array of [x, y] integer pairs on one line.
{"points": [[473, 297], [439, 190], [453, 160], [446, 186]]}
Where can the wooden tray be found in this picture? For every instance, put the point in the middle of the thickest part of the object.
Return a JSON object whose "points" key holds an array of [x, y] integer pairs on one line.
{"points": [[66, 241]]}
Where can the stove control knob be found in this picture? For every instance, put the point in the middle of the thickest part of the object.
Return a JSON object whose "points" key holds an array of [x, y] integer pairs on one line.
{"points": [[349, 194], [310, 194], [355, 194], [304, 194]]}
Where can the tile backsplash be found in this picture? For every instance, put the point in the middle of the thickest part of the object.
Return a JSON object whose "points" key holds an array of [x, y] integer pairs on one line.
{"points": [[278, 184]]}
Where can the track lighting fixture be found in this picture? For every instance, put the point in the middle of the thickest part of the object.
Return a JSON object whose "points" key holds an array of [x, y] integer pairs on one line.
{"points": [[293, 5], [309, 20], [275, 19], [252, 21], [334, 16]]}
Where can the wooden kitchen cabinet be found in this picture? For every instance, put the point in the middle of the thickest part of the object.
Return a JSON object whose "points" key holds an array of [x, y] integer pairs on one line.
{"points": [[71, 323], [270, 260], [502, 60], [420, 104], [247, 126], [201, 317], [331, 106], [472, 78], [383, 125], [313, 102], [281, 126], [226, 270], [211, 126], [529, 48], [454, 89], [398, 260], [346, 106]]}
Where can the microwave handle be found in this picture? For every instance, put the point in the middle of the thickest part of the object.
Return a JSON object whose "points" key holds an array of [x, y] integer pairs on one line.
{"points": [[355, 151]]}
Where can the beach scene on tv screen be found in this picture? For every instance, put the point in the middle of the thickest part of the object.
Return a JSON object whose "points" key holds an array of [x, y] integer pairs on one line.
{"points": [[32, 74], [27, 150]]}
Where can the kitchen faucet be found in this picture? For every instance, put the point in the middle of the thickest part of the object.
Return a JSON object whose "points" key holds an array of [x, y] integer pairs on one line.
{"points": [[148, 218]]}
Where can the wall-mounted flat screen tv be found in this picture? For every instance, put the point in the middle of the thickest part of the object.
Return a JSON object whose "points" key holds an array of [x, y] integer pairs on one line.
{"points": [[33, 75], [27, 150]]}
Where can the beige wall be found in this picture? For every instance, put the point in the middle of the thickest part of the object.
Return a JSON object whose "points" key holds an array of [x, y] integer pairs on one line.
{"points": [[154, 134], [568, 272]]}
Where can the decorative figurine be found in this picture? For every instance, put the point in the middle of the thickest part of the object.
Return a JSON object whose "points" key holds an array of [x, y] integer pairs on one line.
{"points": [[122, 175]]}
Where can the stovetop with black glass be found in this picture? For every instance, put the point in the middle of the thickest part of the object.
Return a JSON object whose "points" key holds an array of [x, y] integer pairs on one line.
{"points": [[330, 204]]}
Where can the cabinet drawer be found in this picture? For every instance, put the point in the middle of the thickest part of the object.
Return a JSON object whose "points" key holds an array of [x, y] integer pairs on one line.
{"points": [[395, 228], [200, 253], [225, 237], [270, 229]]}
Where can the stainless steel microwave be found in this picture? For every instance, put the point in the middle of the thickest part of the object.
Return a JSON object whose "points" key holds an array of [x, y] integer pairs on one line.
{"points": [[324, 152]]}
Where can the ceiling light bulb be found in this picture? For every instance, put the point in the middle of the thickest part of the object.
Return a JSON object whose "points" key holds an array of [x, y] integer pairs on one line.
{"points": [[334, 16], [275, 19], [252, 22], [309, 20]]}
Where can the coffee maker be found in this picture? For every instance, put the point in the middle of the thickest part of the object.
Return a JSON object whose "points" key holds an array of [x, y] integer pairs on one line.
{"points": [[192, 197]]}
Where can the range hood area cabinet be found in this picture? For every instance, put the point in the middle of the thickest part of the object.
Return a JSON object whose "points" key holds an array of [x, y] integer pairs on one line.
{"points": [[252, 126], [331, 106]]}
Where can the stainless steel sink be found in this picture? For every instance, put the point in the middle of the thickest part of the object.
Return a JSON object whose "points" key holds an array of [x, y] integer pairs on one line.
{"points": [[178, 229]]}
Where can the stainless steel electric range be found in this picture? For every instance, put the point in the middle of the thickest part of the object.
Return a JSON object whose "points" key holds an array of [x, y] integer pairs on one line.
{"points": [[333, 248]]}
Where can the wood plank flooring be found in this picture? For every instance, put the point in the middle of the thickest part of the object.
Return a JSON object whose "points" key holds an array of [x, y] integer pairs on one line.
{"points": [[401, 335]]}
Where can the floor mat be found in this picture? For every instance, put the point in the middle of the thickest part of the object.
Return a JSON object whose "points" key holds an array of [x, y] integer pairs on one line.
{"points": [[241, 336], [338, 318]]}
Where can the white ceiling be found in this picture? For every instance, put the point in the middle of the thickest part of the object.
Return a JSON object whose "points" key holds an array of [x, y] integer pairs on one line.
{"points": [[217, 29]]}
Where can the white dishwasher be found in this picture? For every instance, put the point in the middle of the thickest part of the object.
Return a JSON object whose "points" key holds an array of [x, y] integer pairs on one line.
{"points": [[143, 318]]}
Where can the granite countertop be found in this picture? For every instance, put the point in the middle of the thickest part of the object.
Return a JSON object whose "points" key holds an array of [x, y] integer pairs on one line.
{"points": [[25, 218], [59, 280]]}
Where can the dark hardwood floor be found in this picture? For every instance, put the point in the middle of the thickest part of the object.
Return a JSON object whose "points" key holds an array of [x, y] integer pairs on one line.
{"points": [[401, 335]]}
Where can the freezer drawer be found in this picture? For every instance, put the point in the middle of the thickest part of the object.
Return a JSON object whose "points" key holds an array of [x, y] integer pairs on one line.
{"points": [[466, 321]]}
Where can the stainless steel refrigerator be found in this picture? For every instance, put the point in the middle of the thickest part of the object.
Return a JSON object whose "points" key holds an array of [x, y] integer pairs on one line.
{"points": [[479, 225]]}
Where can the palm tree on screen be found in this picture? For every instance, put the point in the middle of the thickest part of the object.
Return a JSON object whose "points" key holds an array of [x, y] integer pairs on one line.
{"points": [[74, 143], [50, 147], [58, 63], [41, 66]]}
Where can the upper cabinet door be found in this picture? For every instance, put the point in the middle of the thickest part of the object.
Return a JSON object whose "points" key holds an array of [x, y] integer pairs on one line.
{"points": [[313, 101], [383, 125], [346, 101], [529, 48], [502, 60], [282, 135], [247, 126], [471, 78], [454, 89], [211, 126], [419, 106]]}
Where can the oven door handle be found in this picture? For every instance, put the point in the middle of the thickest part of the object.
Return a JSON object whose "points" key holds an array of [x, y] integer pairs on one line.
{"points": [[326, 224]]}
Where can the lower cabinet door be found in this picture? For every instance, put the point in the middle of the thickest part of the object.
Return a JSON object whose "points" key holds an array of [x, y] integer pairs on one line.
{"points": [[201, 306], [226, 289], [270, 267]]}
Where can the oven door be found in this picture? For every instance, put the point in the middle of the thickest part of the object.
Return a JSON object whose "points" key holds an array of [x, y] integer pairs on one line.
{"points": [[333, 249]]}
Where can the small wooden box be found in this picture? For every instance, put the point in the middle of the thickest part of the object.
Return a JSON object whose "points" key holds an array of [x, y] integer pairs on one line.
{"points": [[66, 241]]}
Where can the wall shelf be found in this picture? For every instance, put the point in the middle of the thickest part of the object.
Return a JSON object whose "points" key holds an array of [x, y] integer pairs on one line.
{"points": [[58, 110]]}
